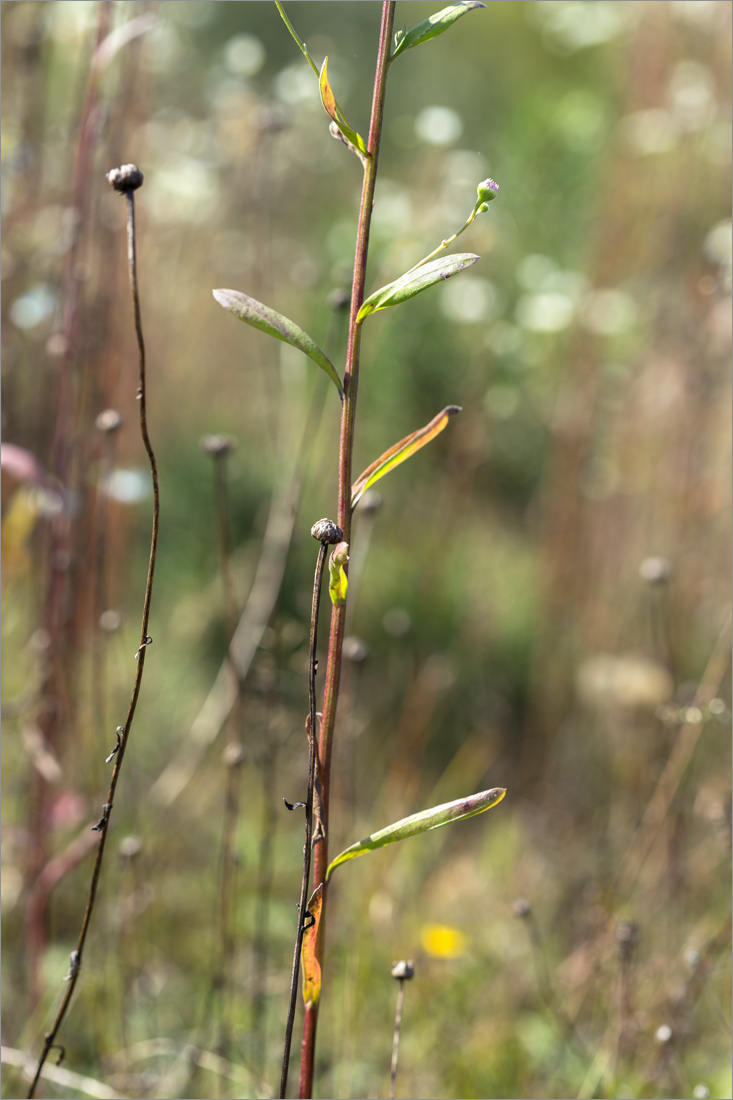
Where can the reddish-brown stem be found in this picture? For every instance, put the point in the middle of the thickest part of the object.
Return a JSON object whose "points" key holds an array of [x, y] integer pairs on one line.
{"points": [[346, 445]]}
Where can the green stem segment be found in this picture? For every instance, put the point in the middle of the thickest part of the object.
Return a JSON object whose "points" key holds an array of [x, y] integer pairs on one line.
{"points": [[348, 415]]}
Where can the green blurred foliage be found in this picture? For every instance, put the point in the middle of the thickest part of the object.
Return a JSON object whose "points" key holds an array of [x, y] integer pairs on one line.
{"points": [[510, 637]]}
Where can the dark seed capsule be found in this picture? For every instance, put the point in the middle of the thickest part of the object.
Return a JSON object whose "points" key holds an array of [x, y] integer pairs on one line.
{"points": [[126, 178], [325, 530]]}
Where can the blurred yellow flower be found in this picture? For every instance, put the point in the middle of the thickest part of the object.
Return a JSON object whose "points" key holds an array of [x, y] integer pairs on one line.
{"points": [[443, 942]]}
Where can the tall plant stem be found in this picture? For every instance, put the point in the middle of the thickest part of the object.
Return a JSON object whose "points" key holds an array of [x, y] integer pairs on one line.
{"points": [[126, 181], [346, 446]]}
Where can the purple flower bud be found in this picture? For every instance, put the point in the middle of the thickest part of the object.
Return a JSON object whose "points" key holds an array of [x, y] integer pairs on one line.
{"points": [[487, 190]]}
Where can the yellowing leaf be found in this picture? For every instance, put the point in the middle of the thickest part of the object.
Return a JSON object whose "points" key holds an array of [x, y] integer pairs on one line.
{"points": [[309, 962], [328, 99], [339, 581], [400, 452]]}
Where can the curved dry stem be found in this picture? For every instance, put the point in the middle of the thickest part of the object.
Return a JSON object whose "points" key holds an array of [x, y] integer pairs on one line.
{"points": [[102, 825]]}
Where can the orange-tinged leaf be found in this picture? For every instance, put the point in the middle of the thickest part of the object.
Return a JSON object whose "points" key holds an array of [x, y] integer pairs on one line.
{"points": [[400, 452], [328, 99], [308, 961]]}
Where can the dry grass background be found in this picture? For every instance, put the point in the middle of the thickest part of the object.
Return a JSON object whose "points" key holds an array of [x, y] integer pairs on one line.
{"points": [[542, 598]]}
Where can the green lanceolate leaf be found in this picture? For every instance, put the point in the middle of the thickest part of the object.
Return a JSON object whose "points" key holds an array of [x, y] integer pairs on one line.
{"points": [[259, 316], [400, 452], [328, 100], [433, 26], [415, 281], [420, 823]]}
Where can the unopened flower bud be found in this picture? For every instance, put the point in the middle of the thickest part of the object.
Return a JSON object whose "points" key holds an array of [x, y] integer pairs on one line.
{"points": [[340, 554], [487, 190]]}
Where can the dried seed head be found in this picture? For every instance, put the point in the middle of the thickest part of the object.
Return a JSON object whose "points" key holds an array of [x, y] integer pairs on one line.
{"points": [[522, 908], [130, 846], [234, 755], [692, 957], [627, 935], [109, 421], [403, 970], [126, 178], [655, 570], [218, 445], [110, 620], [325, 530]]}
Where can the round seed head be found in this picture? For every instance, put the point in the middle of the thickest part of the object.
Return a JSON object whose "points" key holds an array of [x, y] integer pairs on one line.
{"points": [[325, 530], [130, 846], [126, 178], [109, 421], [403, 970], [655, 570], [217, 445]]}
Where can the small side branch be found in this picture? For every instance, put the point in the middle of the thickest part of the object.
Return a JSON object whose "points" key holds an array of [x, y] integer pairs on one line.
{"points": [[327, 534]]}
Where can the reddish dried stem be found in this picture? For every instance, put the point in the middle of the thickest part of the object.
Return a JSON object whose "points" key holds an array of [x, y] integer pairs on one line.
{"points": [[348, 415]]}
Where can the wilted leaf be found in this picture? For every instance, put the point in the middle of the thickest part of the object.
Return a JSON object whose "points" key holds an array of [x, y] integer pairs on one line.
{"points": [[433, 26], [259, 316], [433, 818], [400, 452], [328, 100], [309, 962], [338, 580], [413, 282]]}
